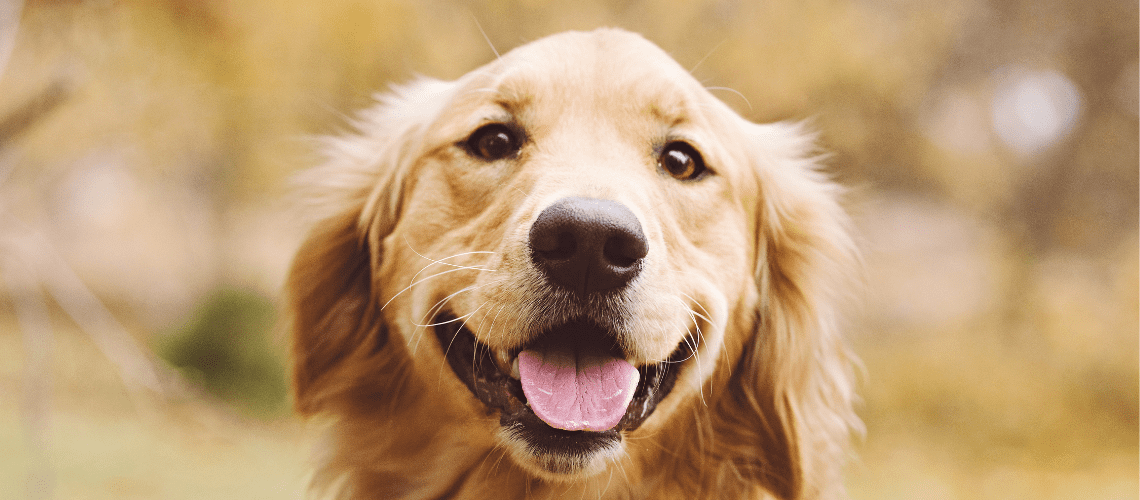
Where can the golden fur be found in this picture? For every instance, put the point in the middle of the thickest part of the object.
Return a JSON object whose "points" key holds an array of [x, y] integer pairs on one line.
{"points": [[748, 262]]}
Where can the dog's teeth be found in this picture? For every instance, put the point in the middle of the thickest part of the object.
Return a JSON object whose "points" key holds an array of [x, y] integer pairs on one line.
{"points": [[503, 359], [515, 368]]}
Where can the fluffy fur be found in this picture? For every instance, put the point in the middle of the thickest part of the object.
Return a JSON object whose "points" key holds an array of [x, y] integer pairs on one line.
{"points": [[747, 262]]}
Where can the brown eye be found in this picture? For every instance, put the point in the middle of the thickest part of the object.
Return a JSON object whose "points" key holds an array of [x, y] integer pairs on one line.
{"points": [[493, 142], [681, 161]]}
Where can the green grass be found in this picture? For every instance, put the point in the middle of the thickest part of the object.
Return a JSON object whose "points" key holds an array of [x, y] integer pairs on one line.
{"points": [[226, 347]]}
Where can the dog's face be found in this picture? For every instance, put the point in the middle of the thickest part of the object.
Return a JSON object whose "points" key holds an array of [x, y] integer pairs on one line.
{"points": [[570, 223], [565, 251]]}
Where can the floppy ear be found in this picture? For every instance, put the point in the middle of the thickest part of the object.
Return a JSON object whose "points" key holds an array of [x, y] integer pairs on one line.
{"points": [[795, 378], [332, 295], [332, 307]]}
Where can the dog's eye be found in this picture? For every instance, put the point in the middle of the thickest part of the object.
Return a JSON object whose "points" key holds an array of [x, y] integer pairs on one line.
{"points": [[493, 142], [682, 161]]}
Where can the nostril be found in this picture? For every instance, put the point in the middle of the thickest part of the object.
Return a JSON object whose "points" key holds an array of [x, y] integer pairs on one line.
{"points": [[587, 245], [625, 249], [555, 246]]}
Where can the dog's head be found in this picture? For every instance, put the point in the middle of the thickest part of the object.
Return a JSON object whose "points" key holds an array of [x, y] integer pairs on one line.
{"points": [[571, 249]]}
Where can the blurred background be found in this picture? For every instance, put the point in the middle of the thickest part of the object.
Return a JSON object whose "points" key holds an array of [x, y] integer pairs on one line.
{"points": [[146, 147]]}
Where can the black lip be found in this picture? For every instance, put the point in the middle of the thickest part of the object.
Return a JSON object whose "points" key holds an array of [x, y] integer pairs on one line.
{"points": [[472, 362]]}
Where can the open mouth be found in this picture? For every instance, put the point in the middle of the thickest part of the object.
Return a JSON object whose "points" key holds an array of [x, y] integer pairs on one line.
{"points": [[565, 414]]}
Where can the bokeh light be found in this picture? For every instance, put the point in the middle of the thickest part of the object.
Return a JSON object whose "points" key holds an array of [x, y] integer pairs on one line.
{"points": [[1033, 110]]}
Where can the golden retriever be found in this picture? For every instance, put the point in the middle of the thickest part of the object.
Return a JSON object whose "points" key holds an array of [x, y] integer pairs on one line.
{"points": [[573, 273]]}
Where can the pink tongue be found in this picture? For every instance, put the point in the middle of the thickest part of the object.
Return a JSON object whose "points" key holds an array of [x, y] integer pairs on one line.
{"points": [[577, 390]]}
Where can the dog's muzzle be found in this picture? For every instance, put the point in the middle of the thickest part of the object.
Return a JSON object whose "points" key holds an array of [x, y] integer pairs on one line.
{"points": [[474, 365], [570, 391]]}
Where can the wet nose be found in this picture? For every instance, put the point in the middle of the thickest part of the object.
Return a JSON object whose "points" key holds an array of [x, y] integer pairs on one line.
{"points": [[588, 245]]}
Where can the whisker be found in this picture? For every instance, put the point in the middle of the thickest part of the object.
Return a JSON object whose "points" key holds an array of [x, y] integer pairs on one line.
{"points": [[453, 320], [463, 254], [439, 378], [421, 328], [700, 337], [692, 352], [734, 91], [433, 262], [717, 46], [409, 287], [723, 347], [706, 314], [494, 448], [475, 349], [442, 261], [499, 449], [491, 330], [434, 310], [485, 37], [439, 305], [608, 481], [621, 468], [502, 455], [694, 348]]}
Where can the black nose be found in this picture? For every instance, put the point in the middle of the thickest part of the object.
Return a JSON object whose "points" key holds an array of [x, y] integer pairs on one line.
{"points": [[588, 245]]}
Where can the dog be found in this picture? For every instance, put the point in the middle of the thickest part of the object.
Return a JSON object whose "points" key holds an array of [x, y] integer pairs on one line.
{"points": [[573, 273]]}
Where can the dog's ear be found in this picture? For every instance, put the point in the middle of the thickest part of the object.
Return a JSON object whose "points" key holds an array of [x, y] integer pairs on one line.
{"points": [[332, 307], [355, 197], [795, 379]]}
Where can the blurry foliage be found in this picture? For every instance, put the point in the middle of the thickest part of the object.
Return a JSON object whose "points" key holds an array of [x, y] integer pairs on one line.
{"points": [[226, 347], [1000, 334]]}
